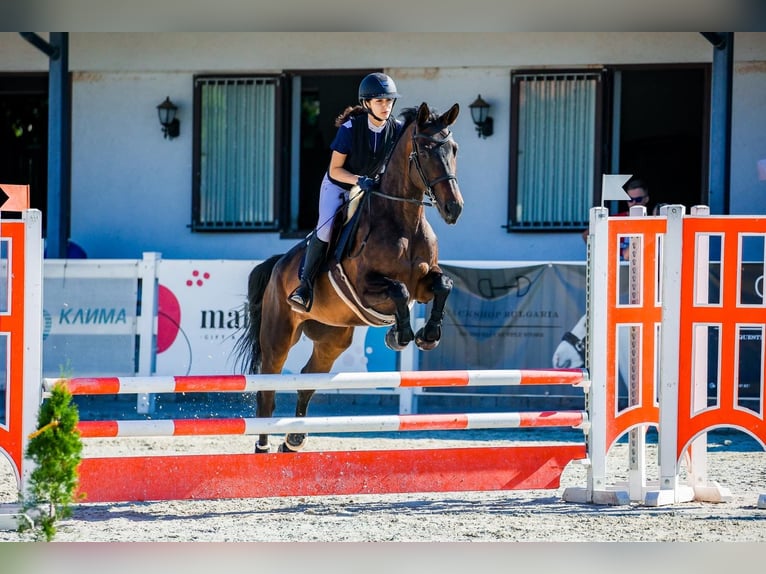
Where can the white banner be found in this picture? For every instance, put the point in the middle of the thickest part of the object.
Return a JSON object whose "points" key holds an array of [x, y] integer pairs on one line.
{"points": [[201, 311]]}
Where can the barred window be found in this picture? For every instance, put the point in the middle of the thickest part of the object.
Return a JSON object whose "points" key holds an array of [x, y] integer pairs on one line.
{"points": [[235, 153], [555, 158]]}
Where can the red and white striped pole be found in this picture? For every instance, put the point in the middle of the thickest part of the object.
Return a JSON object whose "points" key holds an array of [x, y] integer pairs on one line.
{"points": [[323, 381], [371, 423]]}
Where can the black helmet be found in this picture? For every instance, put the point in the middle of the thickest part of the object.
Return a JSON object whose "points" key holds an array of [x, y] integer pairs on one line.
{"points": [[377, 85]]}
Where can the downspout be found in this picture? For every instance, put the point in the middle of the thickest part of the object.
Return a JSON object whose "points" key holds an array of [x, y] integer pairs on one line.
{"points": [[58, 209], [720, 121]]}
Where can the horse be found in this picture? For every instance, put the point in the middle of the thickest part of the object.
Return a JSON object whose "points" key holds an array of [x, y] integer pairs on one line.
{"points": [[390, 263]]}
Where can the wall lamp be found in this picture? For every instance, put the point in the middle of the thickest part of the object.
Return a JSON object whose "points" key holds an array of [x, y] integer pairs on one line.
{"points": [[480, 116], [171, 127]]}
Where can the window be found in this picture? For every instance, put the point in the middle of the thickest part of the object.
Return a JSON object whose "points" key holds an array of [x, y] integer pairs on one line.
{"points": [[555, 163], [262, 145], [236, 165]]}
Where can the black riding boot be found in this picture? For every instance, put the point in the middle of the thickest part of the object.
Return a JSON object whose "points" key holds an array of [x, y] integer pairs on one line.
{"points": [[303, 295]]}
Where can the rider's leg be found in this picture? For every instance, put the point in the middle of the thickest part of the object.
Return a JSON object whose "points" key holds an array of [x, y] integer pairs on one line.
{"points": [[303, 295], [330, 200]]}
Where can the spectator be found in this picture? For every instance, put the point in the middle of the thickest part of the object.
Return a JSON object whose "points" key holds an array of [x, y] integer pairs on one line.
{"points": [[638, 191]]}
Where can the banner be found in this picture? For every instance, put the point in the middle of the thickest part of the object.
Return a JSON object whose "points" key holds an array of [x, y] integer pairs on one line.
{"points": [[202, 312], [507, 318], [89, 325]]}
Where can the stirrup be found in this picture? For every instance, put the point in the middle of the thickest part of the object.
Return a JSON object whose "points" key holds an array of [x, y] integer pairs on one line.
{"points": [[298, 301]]}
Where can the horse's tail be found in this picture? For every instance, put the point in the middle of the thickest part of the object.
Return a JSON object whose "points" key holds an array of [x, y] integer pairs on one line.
{"points": [[247, 349]]}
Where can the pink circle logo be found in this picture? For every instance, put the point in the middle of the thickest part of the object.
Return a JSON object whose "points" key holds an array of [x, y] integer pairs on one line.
{"points": [[168, 319]]}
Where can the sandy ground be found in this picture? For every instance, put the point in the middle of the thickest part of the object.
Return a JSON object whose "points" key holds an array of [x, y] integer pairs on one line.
{"points": [[504, 516]]}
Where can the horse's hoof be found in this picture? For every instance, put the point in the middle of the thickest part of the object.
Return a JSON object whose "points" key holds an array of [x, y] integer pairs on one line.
{"points": [[428, 342], [424, 345], [293, 443], [392, 341]]}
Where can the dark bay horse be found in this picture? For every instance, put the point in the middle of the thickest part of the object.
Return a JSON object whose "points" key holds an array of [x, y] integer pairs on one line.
{"points": [[391, 263]]}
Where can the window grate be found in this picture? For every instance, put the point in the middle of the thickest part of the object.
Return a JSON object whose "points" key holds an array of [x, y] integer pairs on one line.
{"points": [[555, 151], [236, 154]]}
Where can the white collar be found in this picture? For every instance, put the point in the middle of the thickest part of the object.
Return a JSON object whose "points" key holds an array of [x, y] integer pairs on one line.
{"points": [[373, 127]]}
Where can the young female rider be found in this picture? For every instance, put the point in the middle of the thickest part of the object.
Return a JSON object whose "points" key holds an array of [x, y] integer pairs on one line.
{"points": [[366, 135]]}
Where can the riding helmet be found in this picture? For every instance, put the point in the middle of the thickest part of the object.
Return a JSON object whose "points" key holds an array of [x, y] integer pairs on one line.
{"points": [[377, 85]]}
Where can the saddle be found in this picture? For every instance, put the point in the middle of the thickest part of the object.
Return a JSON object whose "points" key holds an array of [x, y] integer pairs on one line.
{"points": [[342, 233], [345, 226], [342, 246]]}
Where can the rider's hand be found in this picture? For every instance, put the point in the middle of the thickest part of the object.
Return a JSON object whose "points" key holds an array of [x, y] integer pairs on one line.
{"points": [[366, 183]]}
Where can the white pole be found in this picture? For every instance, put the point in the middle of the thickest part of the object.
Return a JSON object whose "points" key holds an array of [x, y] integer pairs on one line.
{"points": [[598, 277], [33, 332], [147, 326], [672, 259]]}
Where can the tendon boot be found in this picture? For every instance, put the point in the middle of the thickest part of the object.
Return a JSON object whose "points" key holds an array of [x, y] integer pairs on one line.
{"points": [[302, 297]]}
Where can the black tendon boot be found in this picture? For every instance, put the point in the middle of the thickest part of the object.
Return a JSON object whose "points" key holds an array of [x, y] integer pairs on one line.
{"points": [[303, 295]]}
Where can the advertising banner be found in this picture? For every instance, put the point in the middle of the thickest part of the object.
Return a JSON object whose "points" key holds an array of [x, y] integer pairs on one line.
{"points": [[89, 324], [507, 318], [202, 312]]}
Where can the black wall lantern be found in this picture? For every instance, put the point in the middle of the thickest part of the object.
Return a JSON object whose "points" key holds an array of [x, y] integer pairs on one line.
{"points": [[480, 116], [171, 127]]}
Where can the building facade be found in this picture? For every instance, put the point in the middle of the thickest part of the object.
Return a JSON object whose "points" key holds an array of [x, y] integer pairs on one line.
{"points": [[255, 114]]}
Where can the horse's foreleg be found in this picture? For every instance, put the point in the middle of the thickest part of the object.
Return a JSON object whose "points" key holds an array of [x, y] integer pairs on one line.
{"points": [[264, 408], [401, 334], [430, 334], [296, 441]]}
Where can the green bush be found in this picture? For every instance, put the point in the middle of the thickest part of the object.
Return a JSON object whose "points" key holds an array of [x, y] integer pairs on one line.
{"points": [[55, 448]]}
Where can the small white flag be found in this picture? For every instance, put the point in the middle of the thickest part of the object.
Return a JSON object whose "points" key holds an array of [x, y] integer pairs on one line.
{"points": [[611, 187]]}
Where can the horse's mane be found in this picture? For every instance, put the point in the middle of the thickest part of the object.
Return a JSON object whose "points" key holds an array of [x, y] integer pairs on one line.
{"points": [[408, 115]]}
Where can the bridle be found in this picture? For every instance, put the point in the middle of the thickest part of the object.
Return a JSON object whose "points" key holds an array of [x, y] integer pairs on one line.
{"points": [[414, 159]]}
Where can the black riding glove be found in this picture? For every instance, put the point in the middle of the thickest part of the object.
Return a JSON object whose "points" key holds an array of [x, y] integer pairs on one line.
{"points": [[366, 183]]}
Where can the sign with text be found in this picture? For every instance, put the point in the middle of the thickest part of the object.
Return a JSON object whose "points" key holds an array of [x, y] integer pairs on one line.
{"points": [[202, 311]]}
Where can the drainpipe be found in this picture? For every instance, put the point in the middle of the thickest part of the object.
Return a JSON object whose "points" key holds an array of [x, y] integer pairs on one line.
{"points": [[720, 121], [58, 209]]}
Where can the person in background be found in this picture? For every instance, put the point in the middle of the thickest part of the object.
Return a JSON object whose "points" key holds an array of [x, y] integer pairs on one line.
{"points": [[366, 135], [638, 191]]}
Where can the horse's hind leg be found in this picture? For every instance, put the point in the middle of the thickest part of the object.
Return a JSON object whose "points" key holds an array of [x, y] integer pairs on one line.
{"points": [[280, 333], [329, 343], [428, 337], [264, 408]]}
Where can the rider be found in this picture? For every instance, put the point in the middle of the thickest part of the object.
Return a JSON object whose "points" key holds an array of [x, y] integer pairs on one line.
{"points": [[366, 135]]}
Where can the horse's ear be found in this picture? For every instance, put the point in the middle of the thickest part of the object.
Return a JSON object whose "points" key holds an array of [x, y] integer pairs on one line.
{"points": [[448, 118], [424, 112]]}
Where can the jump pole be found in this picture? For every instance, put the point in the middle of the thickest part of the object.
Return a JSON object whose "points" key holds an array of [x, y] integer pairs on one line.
{"points": [[331, 424], [321, 381]]}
